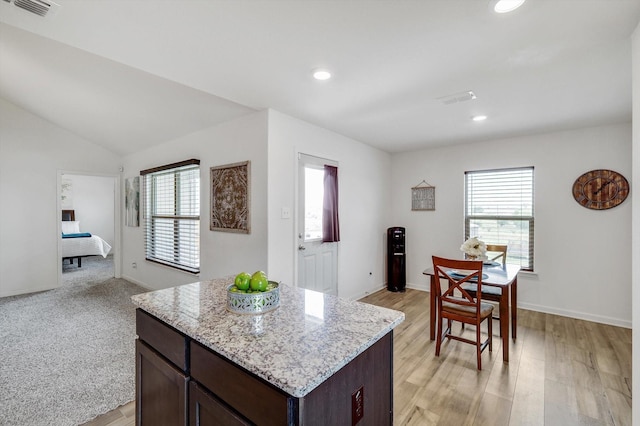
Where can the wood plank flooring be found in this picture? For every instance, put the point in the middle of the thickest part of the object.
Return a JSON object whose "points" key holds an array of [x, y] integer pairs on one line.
{"points": [[124, 415], [562, 371]]}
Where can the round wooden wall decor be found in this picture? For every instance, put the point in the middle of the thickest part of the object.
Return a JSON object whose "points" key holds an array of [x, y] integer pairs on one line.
{"points": [[600, 189]]}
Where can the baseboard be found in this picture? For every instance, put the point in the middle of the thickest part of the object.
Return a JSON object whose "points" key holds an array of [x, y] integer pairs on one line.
{"points": [[577, 315], [39, 289], [532, 307], [366, 293], [140, 283], [425, 287], [421, 287], [554, 311], [29, 291]]}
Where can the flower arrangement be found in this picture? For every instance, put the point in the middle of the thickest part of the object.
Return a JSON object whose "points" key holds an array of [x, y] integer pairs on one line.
{"points": [[474, 248]]}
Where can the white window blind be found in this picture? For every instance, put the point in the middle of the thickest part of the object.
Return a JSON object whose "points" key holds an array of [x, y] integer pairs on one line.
{"points": [[172, 215], [499, 210]]}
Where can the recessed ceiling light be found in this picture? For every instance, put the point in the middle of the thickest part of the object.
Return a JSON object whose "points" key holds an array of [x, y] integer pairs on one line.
{"points": [[321, 74], [505, 6], [479, 117]]}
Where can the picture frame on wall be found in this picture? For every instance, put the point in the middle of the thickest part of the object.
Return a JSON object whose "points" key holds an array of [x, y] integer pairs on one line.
{"points": [[231, 198], [66, 193], [132, 201], [423, 197]]}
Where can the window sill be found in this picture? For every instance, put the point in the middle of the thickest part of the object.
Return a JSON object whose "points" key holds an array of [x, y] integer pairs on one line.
{"points": [[174, 267]]}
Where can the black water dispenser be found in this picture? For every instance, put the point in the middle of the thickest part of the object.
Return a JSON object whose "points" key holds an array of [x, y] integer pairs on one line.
{"points": [[396, 259]]}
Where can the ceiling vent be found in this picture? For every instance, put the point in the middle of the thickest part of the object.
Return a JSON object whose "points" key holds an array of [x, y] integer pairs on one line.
{"points": [[458, 97], [39, 7]]}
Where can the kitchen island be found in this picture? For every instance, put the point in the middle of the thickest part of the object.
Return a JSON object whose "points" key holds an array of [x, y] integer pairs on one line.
{"points": [[316, 359]]}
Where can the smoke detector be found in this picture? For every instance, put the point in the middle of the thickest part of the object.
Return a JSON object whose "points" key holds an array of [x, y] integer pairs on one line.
{"points": [[39, 7], [467, 95]]}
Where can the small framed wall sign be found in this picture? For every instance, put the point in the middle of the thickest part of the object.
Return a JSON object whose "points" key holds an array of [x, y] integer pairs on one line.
{"points": [[230, 197], [423, 197]]}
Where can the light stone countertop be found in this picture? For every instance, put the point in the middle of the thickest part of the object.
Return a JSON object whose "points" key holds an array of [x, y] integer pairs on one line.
{"points": [[295, 347]]}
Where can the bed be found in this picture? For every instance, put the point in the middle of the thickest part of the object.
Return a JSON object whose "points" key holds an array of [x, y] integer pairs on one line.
{"points": [[76, 244]]}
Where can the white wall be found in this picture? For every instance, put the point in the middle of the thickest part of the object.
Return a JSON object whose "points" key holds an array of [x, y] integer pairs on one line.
{"points": [[635, 53], [580, 254], [364, 188], [32, 152], [221, 253], [93, 202]]}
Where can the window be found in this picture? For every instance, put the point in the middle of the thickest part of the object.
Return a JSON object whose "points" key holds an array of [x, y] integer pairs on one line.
{"points": [[499, 210], [319, 199], [314, 194], [172, 215]]}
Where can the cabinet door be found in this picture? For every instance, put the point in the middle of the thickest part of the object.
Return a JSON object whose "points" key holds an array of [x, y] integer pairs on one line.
{"points": [[207, 410], [161, 390]]}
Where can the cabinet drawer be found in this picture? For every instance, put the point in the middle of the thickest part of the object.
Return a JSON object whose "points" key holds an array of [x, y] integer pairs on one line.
{"points": [[256, 400], [165, 340], [207, 410]]}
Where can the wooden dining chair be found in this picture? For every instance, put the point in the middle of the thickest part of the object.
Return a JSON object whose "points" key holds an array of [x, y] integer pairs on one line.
{"points": [[491, 294], [456, 304], [497, 251]]}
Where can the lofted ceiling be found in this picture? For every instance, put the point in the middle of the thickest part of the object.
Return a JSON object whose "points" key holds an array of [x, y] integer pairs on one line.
{"points": [[130, 74]]}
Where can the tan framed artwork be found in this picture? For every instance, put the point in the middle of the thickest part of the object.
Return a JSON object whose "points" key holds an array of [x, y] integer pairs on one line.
{"points": [[423, 197], [231, 198]]}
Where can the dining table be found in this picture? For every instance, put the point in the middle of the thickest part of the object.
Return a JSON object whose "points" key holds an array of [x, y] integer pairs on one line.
{"points": [[497, 275]]}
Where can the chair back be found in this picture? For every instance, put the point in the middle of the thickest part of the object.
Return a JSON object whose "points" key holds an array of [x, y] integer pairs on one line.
{"points": [[501, 249], [458, 273], [463, 308]]}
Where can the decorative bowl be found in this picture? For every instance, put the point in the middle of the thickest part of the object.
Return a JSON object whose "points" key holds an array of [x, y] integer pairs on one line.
{"points": [[253, 303]]}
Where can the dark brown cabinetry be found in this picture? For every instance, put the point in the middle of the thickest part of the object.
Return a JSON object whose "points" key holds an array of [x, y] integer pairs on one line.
{"points": [[180, 382], [161, 390], [207, 410], [256, 400]]}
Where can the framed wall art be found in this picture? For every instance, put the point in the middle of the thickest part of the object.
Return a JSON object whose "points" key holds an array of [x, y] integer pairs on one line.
{"points": [[66, 193], [132, 201], [230, 197], [423, 197]]}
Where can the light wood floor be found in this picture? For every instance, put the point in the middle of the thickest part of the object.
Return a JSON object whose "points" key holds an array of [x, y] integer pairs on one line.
{"points": [[122, 416], [562, 371]]}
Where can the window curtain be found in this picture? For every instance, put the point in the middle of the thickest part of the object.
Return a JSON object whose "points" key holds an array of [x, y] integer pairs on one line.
{"points": [[330, 225]]}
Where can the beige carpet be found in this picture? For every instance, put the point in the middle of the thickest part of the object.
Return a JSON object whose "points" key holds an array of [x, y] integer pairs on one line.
{"points": [[68, 354]]}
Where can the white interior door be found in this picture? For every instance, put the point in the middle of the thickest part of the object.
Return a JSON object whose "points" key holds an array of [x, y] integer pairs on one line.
{"points": [[317, 261]]}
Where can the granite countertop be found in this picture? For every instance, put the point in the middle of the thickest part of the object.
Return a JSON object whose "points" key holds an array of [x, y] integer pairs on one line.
{"points": [[295, 347]]}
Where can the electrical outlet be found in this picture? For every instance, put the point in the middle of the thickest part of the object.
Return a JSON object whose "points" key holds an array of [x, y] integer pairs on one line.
{"points": [[357, 406], [134, 265]]}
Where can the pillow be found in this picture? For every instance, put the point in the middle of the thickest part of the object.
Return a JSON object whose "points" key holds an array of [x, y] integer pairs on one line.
{"points": [[70, 227]]}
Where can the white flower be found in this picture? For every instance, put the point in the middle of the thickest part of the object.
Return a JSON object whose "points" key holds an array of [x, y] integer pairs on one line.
{"points": [[474, 247]]}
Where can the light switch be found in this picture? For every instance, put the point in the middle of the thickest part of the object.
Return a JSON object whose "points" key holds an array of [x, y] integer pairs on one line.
{"points": [[285, 213]]}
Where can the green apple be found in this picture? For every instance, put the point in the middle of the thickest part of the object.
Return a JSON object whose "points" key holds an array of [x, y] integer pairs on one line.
{"points": [[243, 281], [259, 281]]}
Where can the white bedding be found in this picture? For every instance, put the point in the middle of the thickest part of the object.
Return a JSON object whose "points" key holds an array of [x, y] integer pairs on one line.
{"points": [[89, 246]]}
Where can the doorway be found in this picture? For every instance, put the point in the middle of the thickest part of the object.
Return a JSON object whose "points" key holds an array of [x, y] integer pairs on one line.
{"points": [[94, 199], [317, 260]]}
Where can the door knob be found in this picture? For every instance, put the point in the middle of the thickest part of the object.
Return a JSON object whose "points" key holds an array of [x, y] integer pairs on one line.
{"points": [[301, 247]]}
